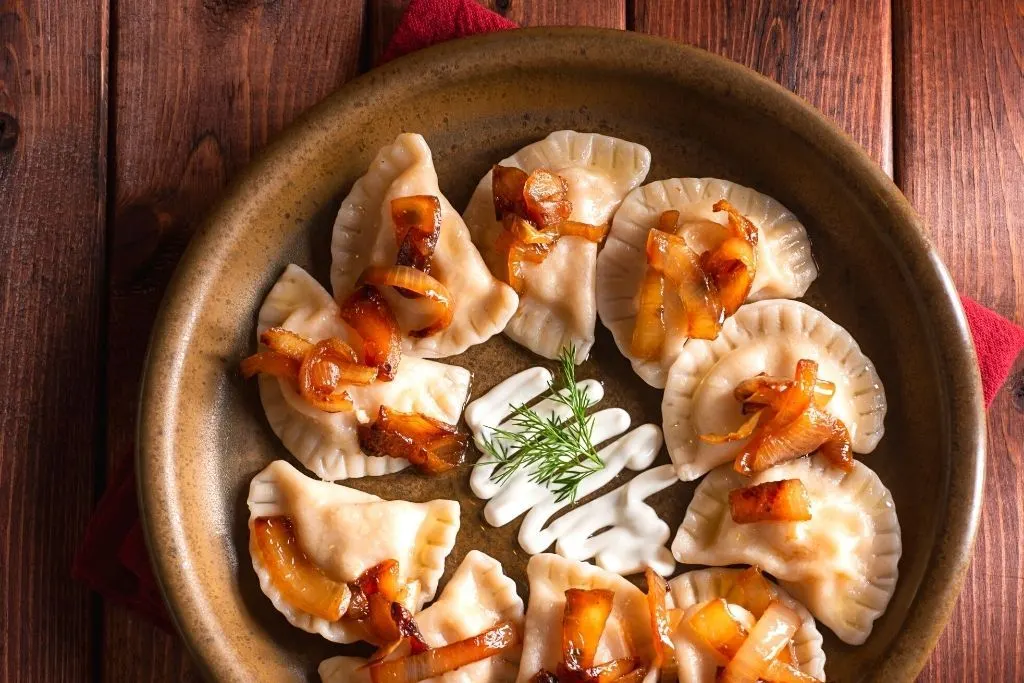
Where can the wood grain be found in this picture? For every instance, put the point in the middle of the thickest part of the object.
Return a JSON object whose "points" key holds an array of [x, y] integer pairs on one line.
{"points": [[837, 55], [52, 201], [959, 158], [199, 86], [384, 15]]}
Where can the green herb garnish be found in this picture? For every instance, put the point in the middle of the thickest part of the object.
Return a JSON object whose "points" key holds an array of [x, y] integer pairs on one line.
{"points": [[560, 451]]}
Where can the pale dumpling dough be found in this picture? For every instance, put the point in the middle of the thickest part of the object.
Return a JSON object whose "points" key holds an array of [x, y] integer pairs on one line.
{"points": [[693, 590], [627, 632], [785, 266], [478, 597], [345, 532], [841, 564], [767, 336], [328, 443], [364, 235], [558, 306]]}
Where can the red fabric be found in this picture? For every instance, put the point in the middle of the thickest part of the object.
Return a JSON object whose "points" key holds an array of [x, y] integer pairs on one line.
{"points": [[998, 343], [428, 22], [113, 560]]}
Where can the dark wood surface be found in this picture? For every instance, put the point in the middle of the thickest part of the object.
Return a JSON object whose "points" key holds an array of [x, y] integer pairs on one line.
{"points": [[98, 197]]}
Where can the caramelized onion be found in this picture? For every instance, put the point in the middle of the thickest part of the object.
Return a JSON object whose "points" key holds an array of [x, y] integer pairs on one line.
{"points": [[615, 670], [366, 311], [773, 501], [669, 256], [546, 198], [434, 662], [520, 242], [743, 432], [649, 333], [751, 591], [661, 630], [718, 628], [270, 363], [430, 445], [763, 389], [407, 628], [544, 676], [380, 578], [770, 635], [417, 222], [286, 343], [406, 277], [773, 445], [325, 369], [733, 263], [586, 612], [507, 186], [302, 584], [591, 233]]}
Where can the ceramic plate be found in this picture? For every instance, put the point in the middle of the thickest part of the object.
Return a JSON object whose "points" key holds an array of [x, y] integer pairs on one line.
{"points": [[203, 434]]}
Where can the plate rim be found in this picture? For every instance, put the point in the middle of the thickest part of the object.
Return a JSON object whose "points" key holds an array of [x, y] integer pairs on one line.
{"points": [[951, 554]]}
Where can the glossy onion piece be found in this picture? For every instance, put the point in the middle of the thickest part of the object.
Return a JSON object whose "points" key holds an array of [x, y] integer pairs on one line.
{"points": [[591, 233], [430, 445], [302, 584], [438, 661], [521, 242], [406, 277], [366, 311], [771, 445], [649, 333], [286, 342], [325, 369], [637, 676], [507, 186], [770, 635], [615, 670], [546, 196], [586, 613], [838, 448], [744, 431], [407, 628], [669, 255], [380, 578], [732, 264], [751, 591], [417, 222], [270, 363], [772, 501], [779, 671], [763, 390], [544, 676], [719, 629], [661, 629]]}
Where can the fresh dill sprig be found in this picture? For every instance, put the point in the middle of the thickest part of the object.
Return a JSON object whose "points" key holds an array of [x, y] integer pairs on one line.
{"points": [[557, 450]]}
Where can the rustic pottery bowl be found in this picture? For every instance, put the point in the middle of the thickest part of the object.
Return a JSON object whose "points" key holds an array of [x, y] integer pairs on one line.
{"points": [[202, 432]]}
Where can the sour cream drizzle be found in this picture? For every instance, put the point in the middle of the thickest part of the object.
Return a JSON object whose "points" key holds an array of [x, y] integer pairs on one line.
{"points": [[631, 537]]}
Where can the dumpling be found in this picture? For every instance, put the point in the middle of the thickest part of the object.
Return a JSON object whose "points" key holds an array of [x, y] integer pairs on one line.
{"points": [[841, 564], [627, 632], [768, 336], [558, 306], [328, 443], [693, 590], [785, 266], [344, 532], [364, 235], [478, 597]]}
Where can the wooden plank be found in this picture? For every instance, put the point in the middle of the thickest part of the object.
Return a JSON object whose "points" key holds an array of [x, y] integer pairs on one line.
{"points": [[200, 85], [384, 15], [53, 103], [958, 158], [778, 38]]}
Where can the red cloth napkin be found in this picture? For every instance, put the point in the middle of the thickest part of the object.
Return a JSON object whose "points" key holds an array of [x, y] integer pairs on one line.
{"points": [[113, 560]]}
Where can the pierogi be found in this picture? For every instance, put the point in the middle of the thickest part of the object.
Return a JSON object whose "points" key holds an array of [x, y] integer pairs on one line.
{"points": [[364, 235], [785, 266], [841, 564], [345, 532], [328, 443], [558, 306], [767, 336]]}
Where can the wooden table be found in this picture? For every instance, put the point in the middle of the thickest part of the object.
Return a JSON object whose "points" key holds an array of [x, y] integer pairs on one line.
{"points": [[122, 120]]}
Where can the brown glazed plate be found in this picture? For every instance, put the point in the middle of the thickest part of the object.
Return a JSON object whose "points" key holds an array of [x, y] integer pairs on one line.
{"points": [[202, 431]]}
